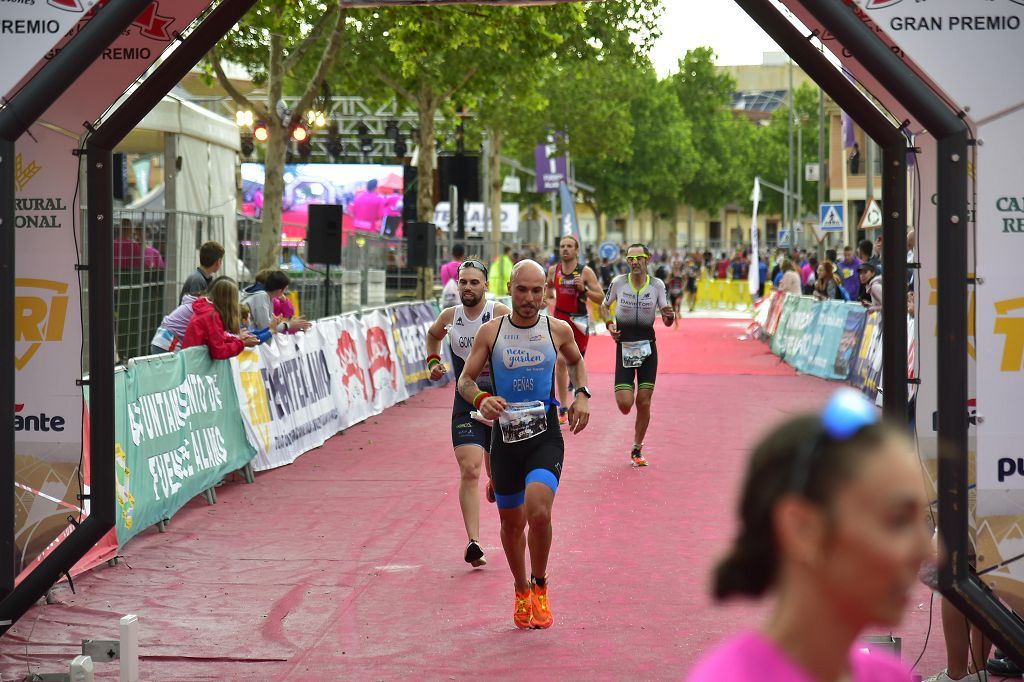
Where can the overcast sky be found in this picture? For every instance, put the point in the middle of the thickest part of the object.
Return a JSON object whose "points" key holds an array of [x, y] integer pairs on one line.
{"points": [[720, 24]]}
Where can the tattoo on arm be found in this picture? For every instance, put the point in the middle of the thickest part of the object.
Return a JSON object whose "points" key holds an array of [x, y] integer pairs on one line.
{"points": [[468, 388]]}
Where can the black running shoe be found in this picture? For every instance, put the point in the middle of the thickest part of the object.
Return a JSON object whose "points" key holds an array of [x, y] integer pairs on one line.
{"points": [[475, 555], [1003, 666]]}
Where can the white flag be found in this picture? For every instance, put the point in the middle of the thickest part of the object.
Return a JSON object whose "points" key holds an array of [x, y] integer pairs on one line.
{"points": [[754, 274]]}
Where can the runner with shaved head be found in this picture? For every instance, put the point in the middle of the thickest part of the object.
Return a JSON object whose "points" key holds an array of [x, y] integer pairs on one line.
{"points": [[526, 443]]}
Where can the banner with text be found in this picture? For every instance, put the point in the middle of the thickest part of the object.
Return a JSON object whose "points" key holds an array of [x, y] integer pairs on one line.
{"points": [[178, 432], [48, 338], [387, 382], [410, 324]]}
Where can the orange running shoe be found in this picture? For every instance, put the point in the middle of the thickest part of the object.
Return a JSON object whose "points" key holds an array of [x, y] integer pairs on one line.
{"points": [[542, 618], [523, 614], [638, 459]]}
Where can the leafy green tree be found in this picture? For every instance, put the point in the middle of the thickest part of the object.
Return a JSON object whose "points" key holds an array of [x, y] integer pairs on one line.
{"points": [[772, 143], [428, 56], [659, 156], [276, 38], [579, 88], [722, 140]]}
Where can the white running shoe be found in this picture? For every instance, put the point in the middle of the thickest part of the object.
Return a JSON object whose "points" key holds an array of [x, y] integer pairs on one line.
{"points": [[973, 677]]}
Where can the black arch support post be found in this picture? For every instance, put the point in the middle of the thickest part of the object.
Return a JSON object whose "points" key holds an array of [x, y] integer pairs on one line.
{"points": [[101, 294], [16, 117], [957, 583], [894, 190]]}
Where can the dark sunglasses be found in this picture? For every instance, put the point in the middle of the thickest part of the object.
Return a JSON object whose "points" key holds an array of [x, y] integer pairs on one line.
{"points": [[473, 264], [846, 414]]}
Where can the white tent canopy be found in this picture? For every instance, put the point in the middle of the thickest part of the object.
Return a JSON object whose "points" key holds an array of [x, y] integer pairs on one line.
{"points": [[200, 152]]}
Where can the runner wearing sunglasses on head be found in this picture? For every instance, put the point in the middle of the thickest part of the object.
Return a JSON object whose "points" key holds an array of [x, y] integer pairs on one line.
{"points": [[638, 300], [471, 437]]}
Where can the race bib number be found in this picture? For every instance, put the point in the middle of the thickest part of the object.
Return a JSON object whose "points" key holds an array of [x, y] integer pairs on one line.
{"points": [[582, 323], [634, 353], [523, 421]]}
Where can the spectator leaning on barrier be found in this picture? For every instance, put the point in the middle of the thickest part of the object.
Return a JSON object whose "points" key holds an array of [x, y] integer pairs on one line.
{"points": [[216, 322], [270, 284], [848, 269], [811, 270], [211, 258], [828, 286], [789, 279], [871, 283]]}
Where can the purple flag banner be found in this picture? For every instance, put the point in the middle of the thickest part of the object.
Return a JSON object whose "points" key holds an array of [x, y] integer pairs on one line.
{"points": [[552, 170]]}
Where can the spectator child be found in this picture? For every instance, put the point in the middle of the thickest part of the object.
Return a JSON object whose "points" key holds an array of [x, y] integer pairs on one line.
{"points": [[211, 258], [215, 322]]}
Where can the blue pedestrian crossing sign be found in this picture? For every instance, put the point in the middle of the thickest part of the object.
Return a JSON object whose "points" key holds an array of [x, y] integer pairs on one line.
{"points": [[831, 218]]}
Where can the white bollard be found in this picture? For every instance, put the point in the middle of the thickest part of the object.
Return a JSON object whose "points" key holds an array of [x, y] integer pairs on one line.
{"points": [[81, 669], [129, 649]]}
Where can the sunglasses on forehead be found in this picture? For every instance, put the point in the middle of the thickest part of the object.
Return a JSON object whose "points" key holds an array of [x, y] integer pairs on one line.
{"points": [[847, 413], [473, 264]]}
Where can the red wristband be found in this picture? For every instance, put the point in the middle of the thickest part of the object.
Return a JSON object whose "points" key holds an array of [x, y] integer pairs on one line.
{"points": [[433, 357], [480, 397]]}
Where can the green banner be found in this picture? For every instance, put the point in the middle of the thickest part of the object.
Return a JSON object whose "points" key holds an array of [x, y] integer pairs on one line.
{"points": [[825, 336], [178, 432], [781, 339]]}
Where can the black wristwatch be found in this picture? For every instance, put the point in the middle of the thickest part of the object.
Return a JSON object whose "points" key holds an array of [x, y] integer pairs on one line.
{"points": [[582, 389]]}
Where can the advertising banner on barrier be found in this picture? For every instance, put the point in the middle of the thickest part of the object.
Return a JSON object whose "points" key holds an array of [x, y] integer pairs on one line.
{"points": [[178, 432], [409, 326], [825, 336], [780, 335], [775, 312], [350, 349], [849, 342], [305, 404], [797, 315], [387, 381], [867, 364]]}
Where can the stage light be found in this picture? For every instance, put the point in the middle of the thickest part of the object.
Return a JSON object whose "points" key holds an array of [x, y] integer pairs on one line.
{"points": [[300, 133], [261, 132], [243, 119], [247, 146]]}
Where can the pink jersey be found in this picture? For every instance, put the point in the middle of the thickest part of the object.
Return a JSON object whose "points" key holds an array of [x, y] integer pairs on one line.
{"points": [[753, 656]]}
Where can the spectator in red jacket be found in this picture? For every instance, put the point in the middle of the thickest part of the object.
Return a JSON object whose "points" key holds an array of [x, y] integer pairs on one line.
{"points": [[215, 322]]}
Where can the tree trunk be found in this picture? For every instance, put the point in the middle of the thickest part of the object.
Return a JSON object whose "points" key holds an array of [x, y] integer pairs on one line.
{"points": [[427, 107], [277, 147], [493, 162]]}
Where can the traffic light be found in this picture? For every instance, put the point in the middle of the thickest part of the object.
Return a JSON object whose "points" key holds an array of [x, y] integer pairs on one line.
{"points": [[261, 132]]}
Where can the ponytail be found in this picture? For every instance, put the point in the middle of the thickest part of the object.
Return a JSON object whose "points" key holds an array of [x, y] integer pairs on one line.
{"points": [[749, 568]]}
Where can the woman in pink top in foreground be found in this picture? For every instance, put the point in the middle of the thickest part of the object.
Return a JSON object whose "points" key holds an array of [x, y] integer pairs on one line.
{"points": [[832, 520]]}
